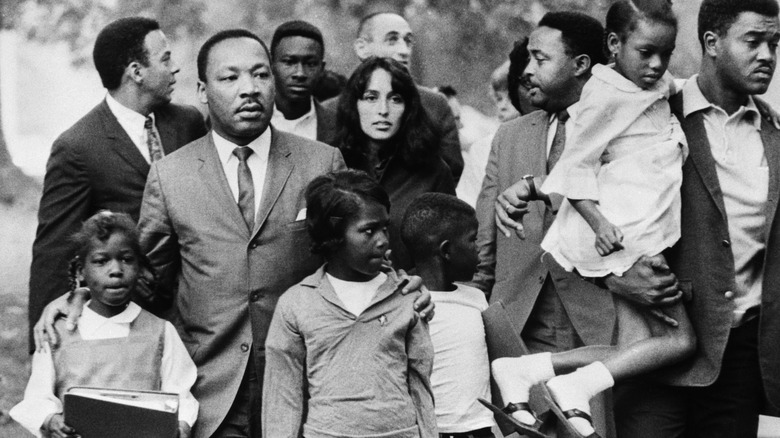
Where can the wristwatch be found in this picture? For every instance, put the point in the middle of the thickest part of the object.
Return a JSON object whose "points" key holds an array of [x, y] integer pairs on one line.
{"points": [[532, 195]]}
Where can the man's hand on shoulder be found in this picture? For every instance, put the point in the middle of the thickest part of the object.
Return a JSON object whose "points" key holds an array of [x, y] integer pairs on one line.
{"points": [[68, 305]]}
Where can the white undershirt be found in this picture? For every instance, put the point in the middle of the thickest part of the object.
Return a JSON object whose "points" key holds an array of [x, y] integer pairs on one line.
{"points": [[305, 125], [257, 162], [356, 296]]}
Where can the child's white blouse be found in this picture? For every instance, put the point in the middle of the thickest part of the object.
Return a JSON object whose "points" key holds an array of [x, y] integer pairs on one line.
{"points": [[625, 150]]}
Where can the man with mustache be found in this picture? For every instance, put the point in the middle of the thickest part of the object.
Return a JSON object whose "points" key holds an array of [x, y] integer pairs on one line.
{"points": [[726, 259], [102, 161], [297, 53], [389, 35], [533, 298]]}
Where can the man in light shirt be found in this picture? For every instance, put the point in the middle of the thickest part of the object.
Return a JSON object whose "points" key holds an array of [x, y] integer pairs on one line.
{"points": [[297, 52], [102, 161]]}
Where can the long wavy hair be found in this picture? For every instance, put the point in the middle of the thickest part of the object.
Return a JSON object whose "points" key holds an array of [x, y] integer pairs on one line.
{"points": [[414, 142]]}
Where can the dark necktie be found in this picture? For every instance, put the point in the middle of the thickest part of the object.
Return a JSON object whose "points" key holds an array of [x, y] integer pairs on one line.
{"points": [[559, 141], [246, 187], [152, 140]]}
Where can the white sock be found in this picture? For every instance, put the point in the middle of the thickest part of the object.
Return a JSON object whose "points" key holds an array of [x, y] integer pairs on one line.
{"points": [[574, 391], [516, 375]]}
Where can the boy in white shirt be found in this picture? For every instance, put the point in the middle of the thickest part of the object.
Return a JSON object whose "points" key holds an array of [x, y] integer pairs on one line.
{"points": [[440, 233]]}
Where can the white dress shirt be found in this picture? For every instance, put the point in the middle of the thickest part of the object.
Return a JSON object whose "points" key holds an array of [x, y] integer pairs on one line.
{"points": [[743, 174], [305, 126], [178, 372], [257, 163], [133, 124]]}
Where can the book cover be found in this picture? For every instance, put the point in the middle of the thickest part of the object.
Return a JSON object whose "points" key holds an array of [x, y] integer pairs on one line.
{"points": [[117, 413]]}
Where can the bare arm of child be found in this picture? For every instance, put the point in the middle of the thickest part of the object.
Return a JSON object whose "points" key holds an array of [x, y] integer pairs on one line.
{"points": [[57, 428], [419, 351], [608, 236]]}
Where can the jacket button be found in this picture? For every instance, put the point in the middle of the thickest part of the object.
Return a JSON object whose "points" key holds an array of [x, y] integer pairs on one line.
{"points": [[729, 294], [244, 347], [255, 296], [541, 280], [725, 243], [253, 245]]}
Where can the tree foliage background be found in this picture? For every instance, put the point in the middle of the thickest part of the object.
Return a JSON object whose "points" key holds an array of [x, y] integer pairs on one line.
{"points": [[457, 42]]}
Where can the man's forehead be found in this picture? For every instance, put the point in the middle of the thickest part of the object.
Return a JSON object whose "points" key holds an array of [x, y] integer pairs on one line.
{"points": [[385, 24], [751, 22], [237, 51], [545, 39], [155, 41]]}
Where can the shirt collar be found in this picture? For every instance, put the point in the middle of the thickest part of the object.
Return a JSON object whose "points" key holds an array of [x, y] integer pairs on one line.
{"points": [[261, 145], [125, 114], [91, 321], [279, 115], [694, 100]]}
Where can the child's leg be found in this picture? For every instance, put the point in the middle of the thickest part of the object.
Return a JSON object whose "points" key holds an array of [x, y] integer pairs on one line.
{"points": [[666, 345]]}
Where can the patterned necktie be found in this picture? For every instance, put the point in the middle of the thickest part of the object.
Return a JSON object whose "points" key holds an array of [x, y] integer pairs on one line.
{"points": [[246, 187], [559, 141], [152, 140]]}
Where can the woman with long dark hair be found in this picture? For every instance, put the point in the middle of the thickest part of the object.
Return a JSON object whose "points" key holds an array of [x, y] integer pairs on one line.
{"points": [[383, 130]]}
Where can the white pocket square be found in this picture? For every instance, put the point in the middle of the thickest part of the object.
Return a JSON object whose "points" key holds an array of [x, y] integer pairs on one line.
{"points": [[301, 215]]}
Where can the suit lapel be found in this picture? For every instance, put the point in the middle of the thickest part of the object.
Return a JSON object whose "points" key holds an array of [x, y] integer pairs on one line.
{"points": [[214, 176], [770, 137], [120, 142], [280, 166], [702, 159], [167, 131], [538, 141]]}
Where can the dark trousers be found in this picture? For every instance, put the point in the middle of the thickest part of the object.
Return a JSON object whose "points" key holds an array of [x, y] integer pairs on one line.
{"points": [[728, 408], [243, 420], [549, 328]]}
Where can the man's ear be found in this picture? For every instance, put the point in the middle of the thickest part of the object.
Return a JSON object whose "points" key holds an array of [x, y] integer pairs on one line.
{"points": [[711, 41], [361, 48], [135, 72], [581, 65], [445, 250], [202, 97]]}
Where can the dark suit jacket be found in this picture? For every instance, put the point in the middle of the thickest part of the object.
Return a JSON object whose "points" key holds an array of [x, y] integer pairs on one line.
{"points": [[229, 279], [511, 270], [326, 123], [704, 263], [93, 166], [442, 121]]}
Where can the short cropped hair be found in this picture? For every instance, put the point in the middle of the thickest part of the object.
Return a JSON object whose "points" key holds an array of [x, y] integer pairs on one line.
{"points": [[332, 200], [581, 34], [297, 28], [718, 15], [366, 20], [433, 218], [118, 45], [624, 15], [205, 49]]}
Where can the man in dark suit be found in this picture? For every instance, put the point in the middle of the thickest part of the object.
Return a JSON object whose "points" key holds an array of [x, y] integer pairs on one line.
{"points": [[297, 60], [550, 309], [389, 35], [726, 259], [102, 161]]}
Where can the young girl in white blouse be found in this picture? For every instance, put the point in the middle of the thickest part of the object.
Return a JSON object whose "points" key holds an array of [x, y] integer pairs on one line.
{"points": [[621, 173], [117, 345]]}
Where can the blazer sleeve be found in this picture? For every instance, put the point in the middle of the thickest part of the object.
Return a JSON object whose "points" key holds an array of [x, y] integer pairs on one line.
{"points": [[284, 380], [484, 278], [160, 243], [65, 204]]}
